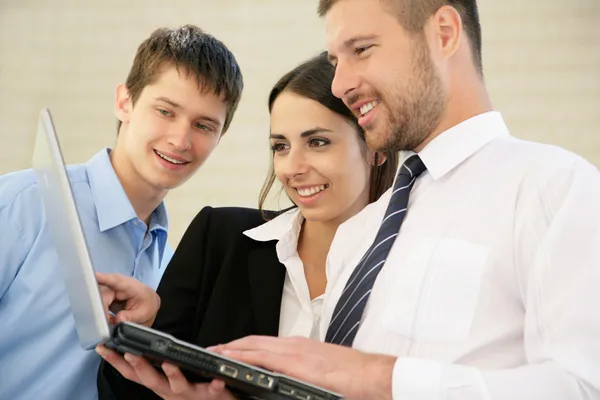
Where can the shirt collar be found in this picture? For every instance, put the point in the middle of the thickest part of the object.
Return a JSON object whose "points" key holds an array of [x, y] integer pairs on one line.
{"points": [[112, 204], [278, 227], [285, 228], [458, 143], [159, 218]]}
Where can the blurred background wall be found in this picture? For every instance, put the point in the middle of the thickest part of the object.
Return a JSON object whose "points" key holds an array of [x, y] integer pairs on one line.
{"points": [[541, 61]]}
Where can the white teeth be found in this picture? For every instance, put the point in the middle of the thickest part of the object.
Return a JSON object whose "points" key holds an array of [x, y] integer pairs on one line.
{"points": [[169, 159], [365, 108], [311, 191]]}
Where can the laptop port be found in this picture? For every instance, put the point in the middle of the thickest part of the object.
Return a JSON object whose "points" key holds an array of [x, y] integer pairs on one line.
{"points": [[229, 371], [249, 376], [265, 381], [286, 389], [301, 395]]}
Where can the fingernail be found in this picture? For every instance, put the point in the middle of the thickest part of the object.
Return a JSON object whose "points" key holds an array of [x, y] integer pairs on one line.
{"points": [[130, 359], [168, 369], [101, 351]]}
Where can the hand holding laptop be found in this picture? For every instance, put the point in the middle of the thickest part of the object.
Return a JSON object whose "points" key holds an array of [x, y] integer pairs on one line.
{"points": [[351, 373], [130, 300], [127, 299], [173, 385]]}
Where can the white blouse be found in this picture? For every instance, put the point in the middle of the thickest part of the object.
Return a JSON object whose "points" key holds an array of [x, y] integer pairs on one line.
{"points": [[299, 315]]}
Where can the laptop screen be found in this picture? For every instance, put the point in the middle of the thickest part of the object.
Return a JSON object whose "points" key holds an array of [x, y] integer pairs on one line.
{"points": [[68, 236]]}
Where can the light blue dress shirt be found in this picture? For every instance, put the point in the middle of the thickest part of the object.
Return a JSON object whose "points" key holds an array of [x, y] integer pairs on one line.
{"points": [[40, 356]]}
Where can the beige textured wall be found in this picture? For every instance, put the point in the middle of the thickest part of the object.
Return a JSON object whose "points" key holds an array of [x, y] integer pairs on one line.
{"points": [[542, 66]]}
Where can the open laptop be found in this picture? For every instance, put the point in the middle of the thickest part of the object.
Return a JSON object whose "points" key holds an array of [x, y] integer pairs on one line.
{"points": [[197, 363]]}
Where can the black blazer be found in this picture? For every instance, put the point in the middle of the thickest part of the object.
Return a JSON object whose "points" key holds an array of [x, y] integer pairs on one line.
{"points": [[219, 286]]}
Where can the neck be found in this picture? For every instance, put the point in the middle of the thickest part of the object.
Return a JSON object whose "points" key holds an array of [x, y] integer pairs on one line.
{"points": [[143, 198], [313, 246], [466, 100], [316, 237]]}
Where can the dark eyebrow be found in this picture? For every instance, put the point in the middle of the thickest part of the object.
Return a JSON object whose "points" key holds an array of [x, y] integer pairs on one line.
{"points": [[304, 134], [349, 43], [352, 41], [178, 106]]}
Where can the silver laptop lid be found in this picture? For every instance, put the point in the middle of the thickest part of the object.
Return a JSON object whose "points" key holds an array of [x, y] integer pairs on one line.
{"points": [[65, 226]]}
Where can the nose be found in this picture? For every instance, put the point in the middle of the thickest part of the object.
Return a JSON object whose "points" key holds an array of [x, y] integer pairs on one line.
{"points": [[294, 164], [180, 136], [344, 81]]}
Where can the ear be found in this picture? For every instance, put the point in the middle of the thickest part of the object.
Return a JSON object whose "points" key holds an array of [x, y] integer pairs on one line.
{"points": [[123, 104], [449, 30]]}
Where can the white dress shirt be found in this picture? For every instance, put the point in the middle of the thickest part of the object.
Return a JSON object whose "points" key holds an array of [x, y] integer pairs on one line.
{"points": [[492, 288], [299, 316]]}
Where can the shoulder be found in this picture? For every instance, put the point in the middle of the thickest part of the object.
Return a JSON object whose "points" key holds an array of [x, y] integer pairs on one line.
{"points": [[551, 167], [20, 206], [17, 186], [218, 231], [539, 178], [22, 186], [537, 158], [228, 220], [21, 203], [532, 167]]}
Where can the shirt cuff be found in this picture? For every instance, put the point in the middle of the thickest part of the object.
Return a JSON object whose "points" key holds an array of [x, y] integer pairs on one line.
{"points": [[422, 379]]}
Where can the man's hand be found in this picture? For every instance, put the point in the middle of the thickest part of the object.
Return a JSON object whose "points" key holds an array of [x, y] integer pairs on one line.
{"points": [[351, 373], [173, 386], [128, 298]]}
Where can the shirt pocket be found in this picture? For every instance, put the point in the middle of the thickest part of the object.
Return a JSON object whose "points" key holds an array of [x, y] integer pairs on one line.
{"points": [[434, 293]]}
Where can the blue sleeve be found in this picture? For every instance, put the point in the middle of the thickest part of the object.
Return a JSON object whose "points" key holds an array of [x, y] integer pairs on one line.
{"points": [[12, 249]]}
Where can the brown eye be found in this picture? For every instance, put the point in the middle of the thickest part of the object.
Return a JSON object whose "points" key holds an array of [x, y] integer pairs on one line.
{"points": [[278, 147], [318, 142], [362, 49]]}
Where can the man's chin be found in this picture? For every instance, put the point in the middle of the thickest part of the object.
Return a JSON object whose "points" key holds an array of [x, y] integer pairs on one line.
{"points": [[377, 141], [172, 184], [163, 184]]}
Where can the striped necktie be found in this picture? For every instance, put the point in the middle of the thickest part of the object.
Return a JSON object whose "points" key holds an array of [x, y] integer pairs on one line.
{"points": [[349, 308]]}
